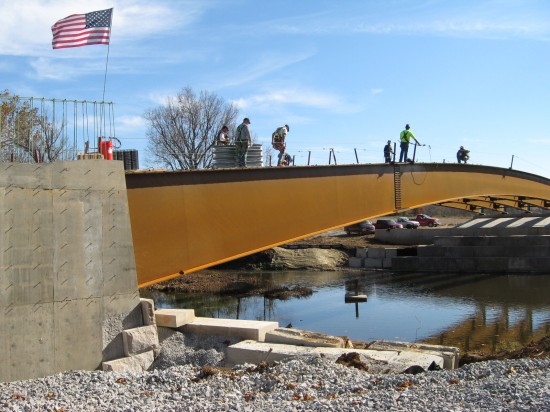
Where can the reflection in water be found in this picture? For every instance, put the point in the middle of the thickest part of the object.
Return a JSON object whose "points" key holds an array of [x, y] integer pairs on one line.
{"points": [[473, 312]]}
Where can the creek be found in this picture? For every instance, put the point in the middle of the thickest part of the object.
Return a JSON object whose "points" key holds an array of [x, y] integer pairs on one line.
{"points": [[474, 312]]}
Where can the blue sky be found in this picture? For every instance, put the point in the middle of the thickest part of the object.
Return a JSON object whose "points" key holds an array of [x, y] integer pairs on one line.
{"points": [[346, 75]]}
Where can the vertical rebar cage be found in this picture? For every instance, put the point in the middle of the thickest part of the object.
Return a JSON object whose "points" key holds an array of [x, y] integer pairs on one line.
{"points": [[45, 130]]}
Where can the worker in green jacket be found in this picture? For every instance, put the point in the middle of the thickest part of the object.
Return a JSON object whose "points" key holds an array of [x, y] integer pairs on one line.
{"points": [[405, 139]]}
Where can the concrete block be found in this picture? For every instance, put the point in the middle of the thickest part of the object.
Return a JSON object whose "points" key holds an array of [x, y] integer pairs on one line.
{"points": [[373, 263], [355, 262], [245, 329], [135, 363], [299, 337], [378, 253], [361, 252], [174, 318], [139, 340], [450, 354], [148, 311], [377, 361], [391, 252], [386, 263]]}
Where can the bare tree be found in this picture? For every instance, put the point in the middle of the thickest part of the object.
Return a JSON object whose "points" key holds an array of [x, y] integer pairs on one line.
{"points": [[26, 135], [182, 132]]}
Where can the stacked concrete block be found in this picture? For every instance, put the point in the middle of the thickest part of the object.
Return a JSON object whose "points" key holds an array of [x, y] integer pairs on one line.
{"points": [[483, 254], [373, 258]]}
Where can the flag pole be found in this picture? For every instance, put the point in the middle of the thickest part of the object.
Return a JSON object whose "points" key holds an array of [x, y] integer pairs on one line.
{"points": [[105, 78]]}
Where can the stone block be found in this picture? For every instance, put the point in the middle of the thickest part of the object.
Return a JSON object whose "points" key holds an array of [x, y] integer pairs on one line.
{"points": [[148, 311], [355, 262], [139, 340], [135, 363], [174, 318], [386, 263], [291, 336]]}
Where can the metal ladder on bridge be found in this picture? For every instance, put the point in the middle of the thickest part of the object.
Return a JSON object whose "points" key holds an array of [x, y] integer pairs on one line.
{"points": [[397, 186]]}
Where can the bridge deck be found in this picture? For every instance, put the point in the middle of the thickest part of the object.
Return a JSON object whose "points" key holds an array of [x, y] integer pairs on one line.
{"points": [[189, 220]]}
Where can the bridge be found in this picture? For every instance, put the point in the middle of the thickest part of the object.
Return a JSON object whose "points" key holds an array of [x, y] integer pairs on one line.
{"points": [[184, 221]]}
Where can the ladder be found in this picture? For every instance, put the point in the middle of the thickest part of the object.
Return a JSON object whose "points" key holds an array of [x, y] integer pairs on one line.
{"points": [[397, 185]]}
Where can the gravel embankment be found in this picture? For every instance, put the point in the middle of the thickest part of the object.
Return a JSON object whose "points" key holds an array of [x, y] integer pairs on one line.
{"points": [[304, 384]]}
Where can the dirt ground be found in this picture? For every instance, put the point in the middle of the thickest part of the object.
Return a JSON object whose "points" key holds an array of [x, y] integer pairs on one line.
{"points": [[226, 279]]}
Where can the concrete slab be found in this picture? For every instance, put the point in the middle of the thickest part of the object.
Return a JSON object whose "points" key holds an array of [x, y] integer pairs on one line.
{"points": [[297, 337], [383, 361], [174, 318], [246, 329], [450, 354]]}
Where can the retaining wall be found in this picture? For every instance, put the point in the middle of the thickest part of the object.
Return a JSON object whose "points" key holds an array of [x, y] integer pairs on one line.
{"points": [[68, 283]]}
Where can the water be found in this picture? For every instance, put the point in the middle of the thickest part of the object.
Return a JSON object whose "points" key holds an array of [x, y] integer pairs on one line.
{"points": [[474, 312]]}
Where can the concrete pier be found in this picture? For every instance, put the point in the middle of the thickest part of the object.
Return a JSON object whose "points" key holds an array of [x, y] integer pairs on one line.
{"points": [[68, 283]]}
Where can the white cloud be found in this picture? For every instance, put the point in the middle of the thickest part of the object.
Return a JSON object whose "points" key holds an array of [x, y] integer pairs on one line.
{"points": [[25, 26], [376, 91], [131, 121], [304, 98], [265, 64]]}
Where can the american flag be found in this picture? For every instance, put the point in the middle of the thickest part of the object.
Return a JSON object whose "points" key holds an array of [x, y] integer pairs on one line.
{"points": [[82, 29]]}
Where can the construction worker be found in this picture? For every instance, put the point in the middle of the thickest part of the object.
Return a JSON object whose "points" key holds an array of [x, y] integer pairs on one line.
{"points": [[243, 142], [388, 151], [278, 142], [223, 137], [462, 155], [405, 139]]}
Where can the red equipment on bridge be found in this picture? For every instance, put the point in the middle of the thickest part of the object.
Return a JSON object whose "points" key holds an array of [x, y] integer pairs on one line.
{"points": [[106, 148]]}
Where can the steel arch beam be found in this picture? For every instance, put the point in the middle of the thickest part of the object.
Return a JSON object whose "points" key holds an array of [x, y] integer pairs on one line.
{"points": [[189, 220]]}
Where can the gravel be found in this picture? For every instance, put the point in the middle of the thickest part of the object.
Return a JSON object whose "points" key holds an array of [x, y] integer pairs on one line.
{"points": [[183, 380]]}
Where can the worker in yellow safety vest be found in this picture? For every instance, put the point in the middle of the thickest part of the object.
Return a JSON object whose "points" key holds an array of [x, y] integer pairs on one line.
{"points": [[405, 139]]}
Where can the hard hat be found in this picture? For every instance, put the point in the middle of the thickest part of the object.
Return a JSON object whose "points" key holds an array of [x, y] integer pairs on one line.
{"points": [[407, 126], [389, 141], [462, 147], [287, 128]]}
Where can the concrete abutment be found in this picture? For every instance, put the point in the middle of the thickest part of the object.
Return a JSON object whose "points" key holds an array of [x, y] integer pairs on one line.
{"points": [[68, 284]]}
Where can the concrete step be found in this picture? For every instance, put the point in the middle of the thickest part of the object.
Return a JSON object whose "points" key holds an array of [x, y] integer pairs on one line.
{"points": [[377, 361], [174, 318], [245, 329]]}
